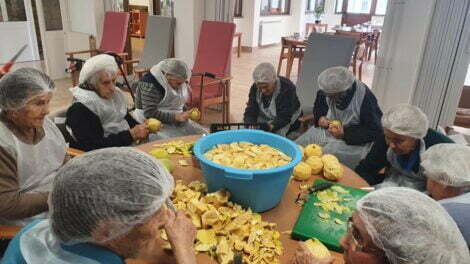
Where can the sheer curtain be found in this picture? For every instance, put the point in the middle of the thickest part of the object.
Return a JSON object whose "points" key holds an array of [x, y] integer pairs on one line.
{"points": [[219, 10], [113, 5], [445, 61]]}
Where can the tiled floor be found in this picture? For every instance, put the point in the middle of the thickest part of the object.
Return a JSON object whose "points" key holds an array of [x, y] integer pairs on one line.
{"points": [[242, 69]]}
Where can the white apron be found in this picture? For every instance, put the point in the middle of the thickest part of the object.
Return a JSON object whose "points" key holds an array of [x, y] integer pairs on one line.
{"points": [[349, 155], [268, 114], [39, 244], [37, 164], [172, 102], [399, 177], [111, 112]]}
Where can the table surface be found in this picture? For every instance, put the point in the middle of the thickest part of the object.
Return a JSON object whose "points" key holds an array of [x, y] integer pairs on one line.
{"points": [[284, 215]]}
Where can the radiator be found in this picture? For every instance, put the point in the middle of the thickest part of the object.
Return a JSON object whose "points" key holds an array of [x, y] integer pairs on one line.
{"points": [[269, 32]]}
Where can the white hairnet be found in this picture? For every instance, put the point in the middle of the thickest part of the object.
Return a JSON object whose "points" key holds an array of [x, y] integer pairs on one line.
{"points": [[264, 73], [335, 80], [448, 164], [406, 120], [410, 227], [96, 64], [115, 187], [18, 87], [176, 68]]}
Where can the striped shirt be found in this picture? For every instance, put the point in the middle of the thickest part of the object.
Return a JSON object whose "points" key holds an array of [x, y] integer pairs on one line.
{"points": [[149, 94]]}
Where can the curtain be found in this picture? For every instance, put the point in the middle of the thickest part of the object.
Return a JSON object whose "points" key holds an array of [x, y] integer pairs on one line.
{"points": [[219, 10], [445, 61], [113, 5]]}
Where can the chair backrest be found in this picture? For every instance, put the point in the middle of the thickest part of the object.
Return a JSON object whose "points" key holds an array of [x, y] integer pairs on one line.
{"points": [[158, 41], [323, 51], [214, 48], [115, 28], [356, 35]]}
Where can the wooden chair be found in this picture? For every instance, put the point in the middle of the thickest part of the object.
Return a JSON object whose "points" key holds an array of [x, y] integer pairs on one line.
{"points": [[359, 56], [158, 44], [114, 37], [210, 79], [373, 44], [290, 52]]}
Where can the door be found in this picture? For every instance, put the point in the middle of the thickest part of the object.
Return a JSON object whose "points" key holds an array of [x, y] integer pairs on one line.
{"points": [[16, 30], [53, 36]]}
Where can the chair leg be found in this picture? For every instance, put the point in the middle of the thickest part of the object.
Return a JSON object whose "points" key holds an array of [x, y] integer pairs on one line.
{"points": [[290, 61], [360, 71], [281, 57]]}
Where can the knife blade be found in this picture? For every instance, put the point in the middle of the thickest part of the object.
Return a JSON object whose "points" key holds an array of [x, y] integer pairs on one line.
{"points": [[19, 53]]}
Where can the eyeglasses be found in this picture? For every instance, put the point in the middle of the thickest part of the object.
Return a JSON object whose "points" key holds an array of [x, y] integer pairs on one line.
{"points": [[358, 242]]}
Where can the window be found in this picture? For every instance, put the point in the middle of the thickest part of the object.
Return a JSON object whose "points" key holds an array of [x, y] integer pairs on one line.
{"points": [[15, 10], [359, 6], [275, 7], [381, 7], [238, 8], [339, 6], [313, 4]]}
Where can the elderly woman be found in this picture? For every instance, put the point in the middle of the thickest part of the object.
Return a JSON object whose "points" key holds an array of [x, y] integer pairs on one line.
{"points": [[273, 101], [447, 169], [397, 226], [31, 147], [398, 151], [347, 100], [162, 94], [106, 206], [98, 116]]}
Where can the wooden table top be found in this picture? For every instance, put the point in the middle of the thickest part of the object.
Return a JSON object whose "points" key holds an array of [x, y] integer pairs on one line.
{"points": [[284, 215]]}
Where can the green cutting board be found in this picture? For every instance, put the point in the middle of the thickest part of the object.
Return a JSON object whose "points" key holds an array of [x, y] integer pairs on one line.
{"points": [[309, 224]]}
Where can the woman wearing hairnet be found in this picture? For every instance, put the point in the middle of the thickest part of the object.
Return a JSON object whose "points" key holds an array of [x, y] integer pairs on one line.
{"points": [[397, 226], [98, 116], [447, 169], [26, 136], [347, 100], [406, 136], [272, 101], [162, 94], [106, 206]]}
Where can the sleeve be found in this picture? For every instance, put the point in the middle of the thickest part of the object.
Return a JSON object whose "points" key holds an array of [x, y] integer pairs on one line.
{"points": [[252, 107], [370, 126], [15, 204], [286, 106], [88, 131], [369, 168], [150, 95], [433, 137], [320, 108], [131, 121]]}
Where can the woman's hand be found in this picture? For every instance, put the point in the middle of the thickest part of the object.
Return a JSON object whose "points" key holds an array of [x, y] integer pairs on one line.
{"points": [[182, 117], [336, 131], [181, 234], [324, 122], [140, 132], [304, 256]]}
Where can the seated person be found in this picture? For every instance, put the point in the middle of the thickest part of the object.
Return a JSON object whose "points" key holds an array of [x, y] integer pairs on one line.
{"points": [[447, 169], [272, 100], [32, 148], [98, 116], [397, 226], [347, 100], [107, 206], [398, 151], [162, 94]]}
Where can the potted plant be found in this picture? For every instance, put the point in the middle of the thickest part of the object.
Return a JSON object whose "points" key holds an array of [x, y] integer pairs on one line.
{"points": [[318, 12]]}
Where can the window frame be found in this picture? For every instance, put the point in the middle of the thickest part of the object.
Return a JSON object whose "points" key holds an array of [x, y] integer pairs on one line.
{"points": [[310, 10], [238, 12], [372, 12], [287, 6]]}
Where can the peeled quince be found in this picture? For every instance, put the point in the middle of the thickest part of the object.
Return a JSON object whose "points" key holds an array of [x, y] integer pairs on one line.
{"points": [[332, 171], [316, 164], [329, 158], [313, 150], [154, 125], [302, 171], [195, 115], [317, 248], [168, 164], [159, 153], [335, 123]]}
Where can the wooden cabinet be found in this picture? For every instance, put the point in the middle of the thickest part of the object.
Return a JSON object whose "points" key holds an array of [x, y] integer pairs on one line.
{"points": [[138, 23]]}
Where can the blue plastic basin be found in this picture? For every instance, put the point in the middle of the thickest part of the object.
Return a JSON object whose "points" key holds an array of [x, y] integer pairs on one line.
{"points": [[259, 190]]}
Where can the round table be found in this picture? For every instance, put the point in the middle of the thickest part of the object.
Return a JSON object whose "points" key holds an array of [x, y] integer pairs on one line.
{"points": [[284, 214]]}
